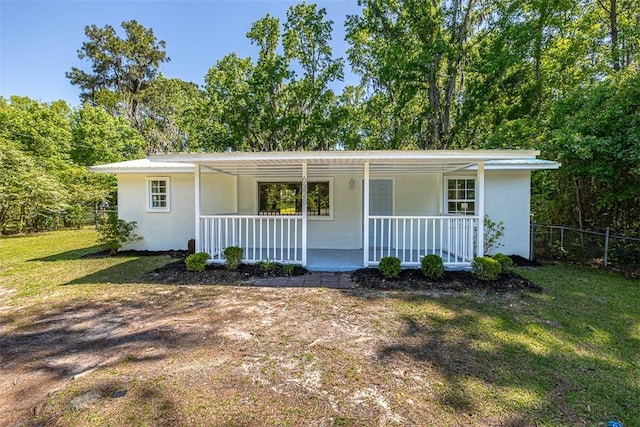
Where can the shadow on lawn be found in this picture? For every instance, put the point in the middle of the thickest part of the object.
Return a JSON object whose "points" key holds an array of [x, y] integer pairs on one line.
{"points": [[126, 271], [70, 255], [559, 376], [61, 342]]}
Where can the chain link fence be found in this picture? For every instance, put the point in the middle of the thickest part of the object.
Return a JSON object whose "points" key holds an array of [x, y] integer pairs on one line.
{"points": [[605, 248]]}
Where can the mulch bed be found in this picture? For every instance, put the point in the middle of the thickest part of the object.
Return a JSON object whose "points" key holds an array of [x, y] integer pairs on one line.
{"points": [[176, 272], [523, 262], [366, 278], [413, 279]]}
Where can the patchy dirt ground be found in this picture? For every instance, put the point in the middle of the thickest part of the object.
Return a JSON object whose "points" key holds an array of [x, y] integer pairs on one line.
{"points": [[231, 351], [211, 355]]}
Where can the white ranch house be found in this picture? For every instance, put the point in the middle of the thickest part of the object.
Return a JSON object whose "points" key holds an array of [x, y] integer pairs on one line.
{"points": [[330, 210]]}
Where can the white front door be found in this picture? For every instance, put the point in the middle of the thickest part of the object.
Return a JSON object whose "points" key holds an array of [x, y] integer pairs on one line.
{"points": [[380, 203]]}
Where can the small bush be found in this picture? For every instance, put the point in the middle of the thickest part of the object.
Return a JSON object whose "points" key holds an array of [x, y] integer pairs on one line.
{"points": [[233, 255], [267, 266], [287, 269], [115, 232], [432, 266], [486, 268], [197, 262], [75, 216], [506, 264], [390, 267], [493, 232]]}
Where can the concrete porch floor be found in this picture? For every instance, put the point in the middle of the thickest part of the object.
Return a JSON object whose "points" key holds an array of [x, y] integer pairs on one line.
{"points": [[352, 259], [341, 260], [334, 259]]}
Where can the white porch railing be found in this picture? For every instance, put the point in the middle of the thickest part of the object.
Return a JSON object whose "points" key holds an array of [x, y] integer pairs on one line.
{"points": [[276, 238], [410, 238]]}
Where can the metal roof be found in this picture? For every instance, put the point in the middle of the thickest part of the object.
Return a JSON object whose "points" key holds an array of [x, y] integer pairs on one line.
{"points": [[324, 163], [143, 166]]}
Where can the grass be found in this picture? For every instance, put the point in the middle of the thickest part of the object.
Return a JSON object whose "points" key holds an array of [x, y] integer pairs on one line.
{"points": [[88, 341]]}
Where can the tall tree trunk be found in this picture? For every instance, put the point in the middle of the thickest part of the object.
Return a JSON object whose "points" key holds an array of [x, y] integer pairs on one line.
{"points": [[537, 56], [613, 22], [576, 186]]}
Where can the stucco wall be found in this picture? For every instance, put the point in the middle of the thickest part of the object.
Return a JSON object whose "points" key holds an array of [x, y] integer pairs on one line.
{"points": [[417, 194], [172, 230], [507, 198], [218, 194], [160, 230]]}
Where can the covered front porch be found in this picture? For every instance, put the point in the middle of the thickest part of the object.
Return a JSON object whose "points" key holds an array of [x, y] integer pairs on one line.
{"points": [[300, 235], [280, 239]]}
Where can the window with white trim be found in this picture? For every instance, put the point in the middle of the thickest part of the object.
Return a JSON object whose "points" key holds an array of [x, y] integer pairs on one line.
{"points": [[285, 198], [158, 194], [461, 196]]}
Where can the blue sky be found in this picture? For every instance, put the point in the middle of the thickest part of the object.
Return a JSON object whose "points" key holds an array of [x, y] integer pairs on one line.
{"points": [[39, 39]]}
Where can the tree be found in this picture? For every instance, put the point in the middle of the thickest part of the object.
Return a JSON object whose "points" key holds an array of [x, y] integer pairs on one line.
{"points": [[594, 133], [227, 115], [413, 55], [121, 68], [44, 151], [38, 128], [97, 137], [169, 114], [306, 41], [30, 196], [283, 101]]}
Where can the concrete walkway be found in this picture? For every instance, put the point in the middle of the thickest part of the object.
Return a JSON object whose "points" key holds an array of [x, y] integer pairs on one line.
{"points": [[334, 280]]}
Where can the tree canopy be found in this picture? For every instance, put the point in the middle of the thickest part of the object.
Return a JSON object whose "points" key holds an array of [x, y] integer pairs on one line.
{"points": [[556, 75]]}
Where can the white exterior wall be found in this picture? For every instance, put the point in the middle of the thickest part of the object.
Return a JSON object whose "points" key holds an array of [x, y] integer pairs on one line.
{"points": [[417, 194], [173, 229], [160, 230], [218, 194], [507, 198]]}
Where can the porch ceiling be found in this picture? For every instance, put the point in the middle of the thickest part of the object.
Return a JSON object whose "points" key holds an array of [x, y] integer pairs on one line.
{"points": [[289, 164]]}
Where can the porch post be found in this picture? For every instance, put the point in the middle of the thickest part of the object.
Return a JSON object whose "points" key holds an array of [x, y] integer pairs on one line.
{"points": [[304, 215], [196, 180], [365, 215], [480, 239]]}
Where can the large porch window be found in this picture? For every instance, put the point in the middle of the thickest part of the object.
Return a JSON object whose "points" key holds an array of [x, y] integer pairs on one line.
{"points": [[285, 198]]}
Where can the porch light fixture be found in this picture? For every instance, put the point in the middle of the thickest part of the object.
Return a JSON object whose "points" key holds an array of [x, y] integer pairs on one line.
{"points": [[352, 184]]}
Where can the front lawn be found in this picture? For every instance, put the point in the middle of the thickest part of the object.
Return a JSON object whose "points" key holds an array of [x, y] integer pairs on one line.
{"points": [[89, 341]]}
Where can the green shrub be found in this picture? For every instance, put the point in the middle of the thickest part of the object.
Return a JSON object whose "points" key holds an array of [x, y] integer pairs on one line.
{"points": [[390, 267], [486, 268], [75, 216], [115, 232], [493, 232], [506, 263], [233, 255], [287, 269], [197, 262], [267, 266], [432, 266]]}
